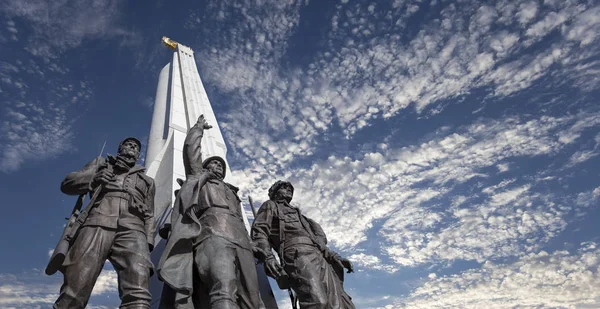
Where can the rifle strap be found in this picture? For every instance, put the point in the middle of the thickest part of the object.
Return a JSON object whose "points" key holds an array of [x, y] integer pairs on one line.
{"points": [[83, 214], [79, 203]]}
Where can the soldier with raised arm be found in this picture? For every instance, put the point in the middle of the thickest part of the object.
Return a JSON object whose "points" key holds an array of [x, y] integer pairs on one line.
{"points": [[208, 259], [118, 226], [313, 271]]}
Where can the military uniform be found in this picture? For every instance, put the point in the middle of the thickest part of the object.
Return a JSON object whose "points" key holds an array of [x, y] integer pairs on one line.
{"points": [[301, 244], [208, 259], [120, 227]]}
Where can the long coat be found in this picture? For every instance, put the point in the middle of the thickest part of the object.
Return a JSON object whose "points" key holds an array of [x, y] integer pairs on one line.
{"points": [[176, 266], [317, 281]]}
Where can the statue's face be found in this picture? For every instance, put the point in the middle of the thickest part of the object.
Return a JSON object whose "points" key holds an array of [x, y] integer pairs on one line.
{"points": [[216, 167], [129, 149], [285, 191]]}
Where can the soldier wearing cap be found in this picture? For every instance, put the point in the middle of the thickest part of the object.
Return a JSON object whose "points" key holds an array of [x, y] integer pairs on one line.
{"points": [[208, 259], [120, 227], [312, 270]]}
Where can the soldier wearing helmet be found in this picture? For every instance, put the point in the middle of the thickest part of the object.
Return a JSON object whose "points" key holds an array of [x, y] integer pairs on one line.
{"points": [[119, 227], [312, 270], [208, 259]]}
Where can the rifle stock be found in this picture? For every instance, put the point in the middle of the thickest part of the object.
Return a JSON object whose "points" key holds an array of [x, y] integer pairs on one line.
{"points": [[74, 223]]}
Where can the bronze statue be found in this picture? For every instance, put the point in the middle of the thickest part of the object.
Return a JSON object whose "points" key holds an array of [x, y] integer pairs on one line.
{"points": [[312, 270], [208, 259], [118, 225]]}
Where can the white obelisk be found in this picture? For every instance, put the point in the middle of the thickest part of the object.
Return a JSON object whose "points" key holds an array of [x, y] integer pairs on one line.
{"points": [[180, 100]]}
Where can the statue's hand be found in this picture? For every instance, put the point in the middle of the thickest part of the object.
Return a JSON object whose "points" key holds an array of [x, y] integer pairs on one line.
{"points": [[102, 177], [272, 268], [341, 262], [348, 265], [202, 123], [258, 252]]}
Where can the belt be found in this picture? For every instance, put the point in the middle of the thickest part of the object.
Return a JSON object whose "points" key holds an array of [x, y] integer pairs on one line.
{"points": [[118, 194], [220, 209], [300, 240]]}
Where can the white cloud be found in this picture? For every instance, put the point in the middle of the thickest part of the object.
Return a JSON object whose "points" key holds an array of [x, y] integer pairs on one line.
{"points": [[588, 199], [34, 131], [368, 262], [27, 290], [101, 307], [58, 26], [33, 289], [106, 283], [360, 77], [581, 156], [527, 11], [444, 198], [537, 280], [503, 167], [404, 189], [41, 100], [37, 125], [509, 223]]}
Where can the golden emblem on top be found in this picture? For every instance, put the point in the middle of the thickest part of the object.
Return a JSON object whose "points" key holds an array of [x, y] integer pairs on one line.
{"points": [[169, 43]]}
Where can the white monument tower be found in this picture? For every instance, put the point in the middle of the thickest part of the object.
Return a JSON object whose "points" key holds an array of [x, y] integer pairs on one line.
{"points": [[180, 100]]}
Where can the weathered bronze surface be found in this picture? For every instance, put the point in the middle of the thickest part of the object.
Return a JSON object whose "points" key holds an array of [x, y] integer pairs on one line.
{"points": [[118, 225], [313, 271], [208, 259]]}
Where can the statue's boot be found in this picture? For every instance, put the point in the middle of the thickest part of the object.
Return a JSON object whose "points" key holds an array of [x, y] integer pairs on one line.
{"points": [[135, 306], [224, 304]]}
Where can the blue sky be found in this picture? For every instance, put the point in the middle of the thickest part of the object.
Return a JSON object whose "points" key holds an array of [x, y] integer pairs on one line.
{"points": [[449, 148]]}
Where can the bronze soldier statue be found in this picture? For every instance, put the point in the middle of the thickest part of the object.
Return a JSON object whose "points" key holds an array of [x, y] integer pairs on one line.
{"points": [[119, 227], [208, 259], [313, 271]]}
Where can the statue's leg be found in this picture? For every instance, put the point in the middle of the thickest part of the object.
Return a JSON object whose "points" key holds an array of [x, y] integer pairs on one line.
{"points": [[131, 258], [217, 265], [248, 291], [311, 277], [83, 265]]}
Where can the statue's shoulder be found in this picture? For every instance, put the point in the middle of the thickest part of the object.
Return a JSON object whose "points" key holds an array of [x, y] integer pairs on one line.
{"points": [[140, 171], [268, 205], [232, 187], [149, 180]]}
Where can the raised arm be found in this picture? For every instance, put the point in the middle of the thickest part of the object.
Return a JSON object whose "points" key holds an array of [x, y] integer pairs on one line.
{"points": [[192, 149]]}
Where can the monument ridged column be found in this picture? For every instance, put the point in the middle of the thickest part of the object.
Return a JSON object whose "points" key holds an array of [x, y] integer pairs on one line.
{"points": [[180, 99]]}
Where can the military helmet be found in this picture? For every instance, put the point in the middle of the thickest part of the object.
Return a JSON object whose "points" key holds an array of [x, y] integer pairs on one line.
{"points": [[276, 186], [132, 139], [205, 163]]}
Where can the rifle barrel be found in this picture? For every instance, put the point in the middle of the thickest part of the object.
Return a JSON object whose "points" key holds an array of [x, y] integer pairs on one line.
{"points": [[252, 206]]}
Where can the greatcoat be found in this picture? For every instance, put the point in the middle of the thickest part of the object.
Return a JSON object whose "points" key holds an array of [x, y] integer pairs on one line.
{"points": [[302, 247], [208, 259]]}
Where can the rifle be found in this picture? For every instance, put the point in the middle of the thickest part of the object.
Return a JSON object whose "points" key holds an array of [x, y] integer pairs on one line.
{"points": [[252, 206], [74, 223]]}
